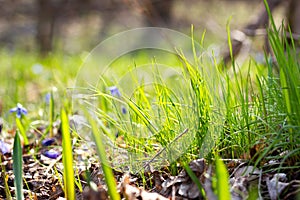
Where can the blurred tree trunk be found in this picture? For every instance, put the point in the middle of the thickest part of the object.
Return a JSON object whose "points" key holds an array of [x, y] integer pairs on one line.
{"points": [[294, 16], [157, 12], [45, 25]]}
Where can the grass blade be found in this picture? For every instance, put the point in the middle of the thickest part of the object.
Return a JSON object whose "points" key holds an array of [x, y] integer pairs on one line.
{"points": [[222, 180], [17, 167], [194, 178], [109, 177], [67, 156]]}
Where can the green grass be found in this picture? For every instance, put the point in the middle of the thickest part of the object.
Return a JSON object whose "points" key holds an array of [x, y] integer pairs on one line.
{"points": [[108, 174], [169, 119]]}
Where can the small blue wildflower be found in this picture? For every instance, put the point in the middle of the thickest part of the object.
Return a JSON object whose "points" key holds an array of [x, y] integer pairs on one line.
{"points": [[20, 110], [114, 91], [124, 110], [48, 141], [47, 98], [51, 154], [4, 147]]}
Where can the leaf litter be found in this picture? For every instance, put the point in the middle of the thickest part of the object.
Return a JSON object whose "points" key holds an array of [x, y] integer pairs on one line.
{"points": [[43, 179]]}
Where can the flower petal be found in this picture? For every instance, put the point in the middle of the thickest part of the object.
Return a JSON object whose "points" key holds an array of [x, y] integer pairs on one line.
{"points": [[51, 154], [48, 141], [19, 114], [4, 147], [13, 110], [47, 98], [124, 110], [24, 111], [114, 91]]}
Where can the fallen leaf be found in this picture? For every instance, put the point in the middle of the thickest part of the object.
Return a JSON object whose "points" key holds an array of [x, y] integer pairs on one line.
{"points": [[276, 185]]}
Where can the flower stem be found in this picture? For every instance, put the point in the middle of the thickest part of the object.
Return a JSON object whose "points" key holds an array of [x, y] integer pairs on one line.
{"points": [[22, 130]]}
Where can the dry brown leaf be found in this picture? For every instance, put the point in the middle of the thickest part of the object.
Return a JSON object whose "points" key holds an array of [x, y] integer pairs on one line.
{"points": [[133, 193], [198, 166], [90, 194], [189, 190]]}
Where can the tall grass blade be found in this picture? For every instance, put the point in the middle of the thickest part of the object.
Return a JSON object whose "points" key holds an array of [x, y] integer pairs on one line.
{"points": [[229, 42], [194, 178], [109, 177], [17, 167], [67, 157], [222, 180]]}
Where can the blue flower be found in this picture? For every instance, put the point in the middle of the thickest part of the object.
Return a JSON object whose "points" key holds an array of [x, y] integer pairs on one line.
{"points": [[114, 91], [124, 110], [48, 141], [4, 147], [20, 110], [47, 98], [51, 154]]}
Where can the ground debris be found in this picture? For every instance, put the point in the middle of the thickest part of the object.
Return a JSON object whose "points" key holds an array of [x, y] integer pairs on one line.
{"points": [[90, 194], [43, 179], [131, 192]]}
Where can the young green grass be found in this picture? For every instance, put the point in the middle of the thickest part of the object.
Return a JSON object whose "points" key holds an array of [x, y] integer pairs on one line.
{"points": [[194, 178], [156, 114], [281, 99], [108, 174], [288, 63], [67, 156]]}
